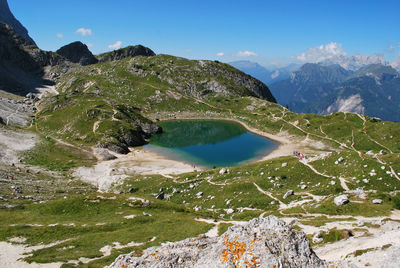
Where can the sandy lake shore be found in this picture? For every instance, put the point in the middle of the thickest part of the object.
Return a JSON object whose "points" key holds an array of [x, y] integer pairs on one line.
{"points": [[142, 162]]}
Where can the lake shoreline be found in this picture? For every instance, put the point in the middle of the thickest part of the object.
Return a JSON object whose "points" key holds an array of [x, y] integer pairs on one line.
{"points": [[285, 147], [143, 162]]}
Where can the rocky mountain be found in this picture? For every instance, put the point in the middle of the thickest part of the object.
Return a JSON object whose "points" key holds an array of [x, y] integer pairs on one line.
{"points": [[22, 62], [8, 18], [263, 74], [372, 90], [254, 69], [309, 83], [77, 52], [130, 51], [262, 242], [116, 95], [354, 63]]}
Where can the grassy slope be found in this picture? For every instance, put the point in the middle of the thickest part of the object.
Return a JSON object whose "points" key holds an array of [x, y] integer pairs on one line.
{"points": [[96, 94]]}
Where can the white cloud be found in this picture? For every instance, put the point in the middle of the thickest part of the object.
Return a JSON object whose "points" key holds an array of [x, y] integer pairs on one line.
{"points": [[116, 45], [322, 53], [188, 50], [60, 35], [332, 53], [89, 44], [245, 54], [84, 31], [391, 48], [398, 43], [220, 54]]}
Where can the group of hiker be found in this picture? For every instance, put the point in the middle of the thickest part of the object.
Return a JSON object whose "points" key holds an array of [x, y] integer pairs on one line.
{"points": [[299, 155]]}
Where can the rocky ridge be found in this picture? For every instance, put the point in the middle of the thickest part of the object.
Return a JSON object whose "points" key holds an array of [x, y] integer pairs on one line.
{"points": [[22, 62], [262, 242], [8, 18], [77, 52], [130, 51]]}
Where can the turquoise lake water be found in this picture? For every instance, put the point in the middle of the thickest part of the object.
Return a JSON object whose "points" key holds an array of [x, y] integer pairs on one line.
{"points": [[209, 143]]}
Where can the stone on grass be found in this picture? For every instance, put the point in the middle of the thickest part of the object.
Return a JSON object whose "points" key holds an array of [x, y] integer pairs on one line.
{"points": [[222, 171], [377, 201], [160, 196], [229, 211], [317, 238], [341, 200], [288, 193]]}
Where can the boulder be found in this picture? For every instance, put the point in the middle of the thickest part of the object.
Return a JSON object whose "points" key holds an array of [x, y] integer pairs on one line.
{"points": [[262, 242], [105, 155], [317, 238], [222, 171], [341, 200], [160, 196], [377, 201], [230, 211], [288, 193]]}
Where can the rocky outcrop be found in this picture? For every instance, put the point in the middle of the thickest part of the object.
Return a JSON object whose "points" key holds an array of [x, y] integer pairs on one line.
{"points": [[77, 52], [263, 242], [130, 51], [8, 18], [21, 62]]}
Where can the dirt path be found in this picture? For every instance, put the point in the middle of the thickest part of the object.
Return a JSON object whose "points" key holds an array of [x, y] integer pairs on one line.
{"points": [[342, 180], [281, 204], [95, 126]]}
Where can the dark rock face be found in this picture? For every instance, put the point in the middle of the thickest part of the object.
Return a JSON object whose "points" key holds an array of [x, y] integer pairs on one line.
{"points": [[77, 52], [8, 18], [21, 62], [150, 129], [130, 51]]}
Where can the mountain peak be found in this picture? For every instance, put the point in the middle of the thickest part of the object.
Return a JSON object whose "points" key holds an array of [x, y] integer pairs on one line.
{"points": [[129, 51], [77, 52], [8, 18]]}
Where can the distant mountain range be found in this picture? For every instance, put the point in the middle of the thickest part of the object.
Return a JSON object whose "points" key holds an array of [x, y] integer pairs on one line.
{"points": [[350, 85], [263, 74], [373, 90]]}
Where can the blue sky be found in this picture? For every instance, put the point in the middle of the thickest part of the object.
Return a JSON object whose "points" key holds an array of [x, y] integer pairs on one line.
{"points": [[264, 31]]}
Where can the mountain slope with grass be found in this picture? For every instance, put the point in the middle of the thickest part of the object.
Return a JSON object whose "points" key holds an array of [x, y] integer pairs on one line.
{"points": [[109, 101], [333, 177]]}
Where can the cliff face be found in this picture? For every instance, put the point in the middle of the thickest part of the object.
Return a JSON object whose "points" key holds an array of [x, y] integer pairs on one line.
{"points": [[21, 62], [8, 18]]}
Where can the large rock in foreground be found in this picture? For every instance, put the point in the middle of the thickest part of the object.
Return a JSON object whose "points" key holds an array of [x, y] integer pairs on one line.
{"points": [[261, 243]]}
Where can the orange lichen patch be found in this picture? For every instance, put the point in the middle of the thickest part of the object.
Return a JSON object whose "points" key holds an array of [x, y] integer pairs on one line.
{"points": [[155, 255], [234, 251]]}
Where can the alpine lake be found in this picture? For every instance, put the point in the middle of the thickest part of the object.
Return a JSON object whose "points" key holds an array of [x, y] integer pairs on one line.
{"points": [[209, 143]]}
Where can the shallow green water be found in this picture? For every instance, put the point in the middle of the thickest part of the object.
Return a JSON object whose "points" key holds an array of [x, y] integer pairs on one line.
{"points": [[209, 143]]}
